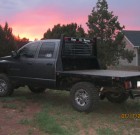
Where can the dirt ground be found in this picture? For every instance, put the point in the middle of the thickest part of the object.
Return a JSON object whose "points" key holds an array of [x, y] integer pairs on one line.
{"points": [[17, 114], [12, 118]]}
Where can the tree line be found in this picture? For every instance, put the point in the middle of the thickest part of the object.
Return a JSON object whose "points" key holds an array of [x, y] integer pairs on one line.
{"points": [[8, 41], [71, 30], [101, 23]]}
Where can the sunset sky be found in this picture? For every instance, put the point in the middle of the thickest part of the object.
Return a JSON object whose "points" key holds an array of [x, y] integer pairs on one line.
{"points": [[32, 18]]}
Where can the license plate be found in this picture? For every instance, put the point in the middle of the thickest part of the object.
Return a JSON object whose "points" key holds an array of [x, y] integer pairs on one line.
{"points": [[138, 84]]}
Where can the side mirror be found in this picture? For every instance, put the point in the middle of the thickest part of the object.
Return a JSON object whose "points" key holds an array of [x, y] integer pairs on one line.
{"points": [[14, 54]]}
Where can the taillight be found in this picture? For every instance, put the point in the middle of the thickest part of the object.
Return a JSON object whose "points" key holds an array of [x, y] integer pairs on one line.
{"points": [[128, 84]]}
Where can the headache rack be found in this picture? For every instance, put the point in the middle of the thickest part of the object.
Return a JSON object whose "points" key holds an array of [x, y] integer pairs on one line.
{"points": [[78, 47], [78, 54]]}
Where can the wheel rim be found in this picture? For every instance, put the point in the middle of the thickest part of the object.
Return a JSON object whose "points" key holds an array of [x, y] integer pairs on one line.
{"points": [[82, 97], [3, 85]]}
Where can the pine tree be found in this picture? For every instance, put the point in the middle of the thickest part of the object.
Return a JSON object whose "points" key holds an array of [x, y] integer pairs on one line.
{"points": [[105, 25], [80, 32], [7, 42], [71, 30]]}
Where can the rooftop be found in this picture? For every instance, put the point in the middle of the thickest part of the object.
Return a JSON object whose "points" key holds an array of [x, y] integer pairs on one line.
{"points": [[133, 37]]}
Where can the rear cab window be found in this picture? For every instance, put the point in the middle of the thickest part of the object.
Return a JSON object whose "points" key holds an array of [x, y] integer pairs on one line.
{"points": [[47, 50]]}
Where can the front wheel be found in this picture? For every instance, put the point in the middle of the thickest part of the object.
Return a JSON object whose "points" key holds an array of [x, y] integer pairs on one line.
{"points": [[37, 89], [5, 86], [84, 96], [117, 97]]}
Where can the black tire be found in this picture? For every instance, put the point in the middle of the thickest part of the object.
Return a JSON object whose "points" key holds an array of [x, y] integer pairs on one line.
{"points": [[37, 89], [84, 96], [5, 86], [117, 97]]}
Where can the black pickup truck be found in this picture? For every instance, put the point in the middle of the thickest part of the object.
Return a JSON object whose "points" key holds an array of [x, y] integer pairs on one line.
{"points": [[66, 64]]}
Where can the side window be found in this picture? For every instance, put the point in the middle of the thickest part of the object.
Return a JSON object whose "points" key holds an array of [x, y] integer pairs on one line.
{"points": [[29, 50], [46, 50]]}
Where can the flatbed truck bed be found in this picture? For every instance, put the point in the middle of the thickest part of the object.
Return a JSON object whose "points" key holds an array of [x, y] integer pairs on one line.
{"points": [[102, 73]]}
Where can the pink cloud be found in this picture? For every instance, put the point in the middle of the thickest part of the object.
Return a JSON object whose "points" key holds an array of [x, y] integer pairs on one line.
{"points": [[34, 23], [130, 27], [128, 18]]}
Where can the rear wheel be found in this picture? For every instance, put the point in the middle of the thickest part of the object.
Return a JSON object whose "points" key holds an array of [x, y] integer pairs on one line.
{"points": [[37, 89], [84, 96], [5, 86], [117, 97]]}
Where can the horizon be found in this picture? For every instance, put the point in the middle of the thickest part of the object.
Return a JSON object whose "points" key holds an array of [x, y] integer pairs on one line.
{"points": [[31, 19]]}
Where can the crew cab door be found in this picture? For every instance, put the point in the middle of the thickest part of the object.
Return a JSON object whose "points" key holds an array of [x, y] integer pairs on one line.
{"points": [[45, 62], [23, 66], [27, 59]]}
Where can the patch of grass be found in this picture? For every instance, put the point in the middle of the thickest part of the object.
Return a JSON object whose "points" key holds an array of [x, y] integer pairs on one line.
{"points": [[25, 121], [107, 131], [59, 118], [6, 99], [65, 115], [22, 107], [30, 132], [48, 124], [10, 106]]}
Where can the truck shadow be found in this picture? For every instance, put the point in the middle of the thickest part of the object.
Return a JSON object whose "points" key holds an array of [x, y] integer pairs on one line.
{"points": [[61, 100]]}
